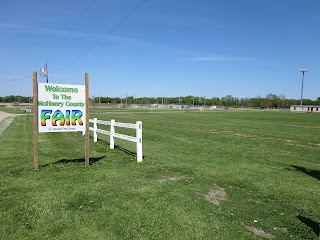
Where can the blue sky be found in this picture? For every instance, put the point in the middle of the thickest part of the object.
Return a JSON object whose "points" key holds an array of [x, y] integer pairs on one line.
{"points": [[166, 48]]}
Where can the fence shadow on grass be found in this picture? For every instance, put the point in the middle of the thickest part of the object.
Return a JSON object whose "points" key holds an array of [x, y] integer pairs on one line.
{"points": [[311, 224], [312, 173], [91, 161], [133, 154]]}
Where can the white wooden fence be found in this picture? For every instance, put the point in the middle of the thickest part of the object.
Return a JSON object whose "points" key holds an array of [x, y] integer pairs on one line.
{"points": [[137, 139], [28, 110]]}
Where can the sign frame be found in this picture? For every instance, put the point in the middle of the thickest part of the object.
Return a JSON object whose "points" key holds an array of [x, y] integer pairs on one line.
{"points": [[61, 108], [36, 124]]}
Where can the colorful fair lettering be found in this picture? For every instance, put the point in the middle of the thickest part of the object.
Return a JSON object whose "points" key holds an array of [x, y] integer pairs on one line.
{"points": [[59, 116]]}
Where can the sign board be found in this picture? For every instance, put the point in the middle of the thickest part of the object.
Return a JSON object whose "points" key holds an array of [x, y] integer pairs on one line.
{"points": [[61, 107]]}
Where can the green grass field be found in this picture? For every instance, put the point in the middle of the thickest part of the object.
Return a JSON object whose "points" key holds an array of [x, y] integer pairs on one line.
{"points": [[267, 162]]}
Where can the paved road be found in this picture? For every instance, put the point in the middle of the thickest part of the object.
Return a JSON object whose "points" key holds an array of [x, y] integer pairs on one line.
{"points": [[5, 120]]}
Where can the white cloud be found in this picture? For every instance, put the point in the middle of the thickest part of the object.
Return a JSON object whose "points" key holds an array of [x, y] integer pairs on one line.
{"points": [[225, 58], [199, 59], [47, 31]]}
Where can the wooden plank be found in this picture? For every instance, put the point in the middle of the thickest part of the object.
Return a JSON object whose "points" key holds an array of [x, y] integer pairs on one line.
{"points": [[125, 137], [35, 121], [103, 122], [125, 125], [139, 141], [112, 132], [87, 120], [103, 132]]}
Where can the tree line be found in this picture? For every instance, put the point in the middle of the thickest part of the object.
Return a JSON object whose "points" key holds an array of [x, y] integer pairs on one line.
{"points": [[12, 99], [270, 101]]}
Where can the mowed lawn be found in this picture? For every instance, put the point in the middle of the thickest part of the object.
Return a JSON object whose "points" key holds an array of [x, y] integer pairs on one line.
{"points": [[267, 163]]}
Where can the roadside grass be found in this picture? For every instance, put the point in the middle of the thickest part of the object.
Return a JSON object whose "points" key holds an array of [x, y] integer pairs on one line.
{"points": [[266, 178]]}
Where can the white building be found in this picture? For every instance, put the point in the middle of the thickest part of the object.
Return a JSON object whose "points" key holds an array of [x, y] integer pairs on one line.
{"points": [[305, 108]]}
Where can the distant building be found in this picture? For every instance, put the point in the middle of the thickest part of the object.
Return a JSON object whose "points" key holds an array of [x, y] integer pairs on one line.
{"points": [[305, 108]]}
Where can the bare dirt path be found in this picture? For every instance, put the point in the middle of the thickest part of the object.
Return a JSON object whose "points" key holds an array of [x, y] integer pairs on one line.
{"points": [[5, 120]]}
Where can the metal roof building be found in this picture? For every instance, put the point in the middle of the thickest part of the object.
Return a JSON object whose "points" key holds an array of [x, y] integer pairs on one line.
{"points": [[305, 108]]}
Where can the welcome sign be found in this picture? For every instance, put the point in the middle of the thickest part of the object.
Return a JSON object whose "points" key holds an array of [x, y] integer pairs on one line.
{"points": [[61, 108]]}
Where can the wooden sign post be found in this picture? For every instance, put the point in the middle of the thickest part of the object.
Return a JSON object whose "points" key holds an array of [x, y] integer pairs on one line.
{"points": [[35, 121], [87, 120]]}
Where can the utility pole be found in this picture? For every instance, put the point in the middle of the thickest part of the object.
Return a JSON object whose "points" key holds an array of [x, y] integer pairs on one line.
{"points": [[193, 103], [44, 71], [99, 99], [205, 101], [166, 102], [126, 100], [303, 71], [46, 66]]}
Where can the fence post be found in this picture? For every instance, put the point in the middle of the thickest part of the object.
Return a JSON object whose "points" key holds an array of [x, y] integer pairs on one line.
{"points": [[112, 130], [95, 135], [83, 133], [139, 140]]}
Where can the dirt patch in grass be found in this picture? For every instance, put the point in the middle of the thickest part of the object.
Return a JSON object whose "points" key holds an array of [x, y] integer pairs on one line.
{"points": [[216, 196], [170, 178], [259, 232]]}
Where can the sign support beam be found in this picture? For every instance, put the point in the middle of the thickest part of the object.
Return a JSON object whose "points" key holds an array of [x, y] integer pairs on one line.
{"points": [[87, 121], [35, 121]]}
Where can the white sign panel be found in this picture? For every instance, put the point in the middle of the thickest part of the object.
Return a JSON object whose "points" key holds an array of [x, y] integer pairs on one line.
{"points": [[61, 107]]}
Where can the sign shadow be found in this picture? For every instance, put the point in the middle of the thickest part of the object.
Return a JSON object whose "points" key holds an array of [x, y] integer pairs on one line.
{"points": [[311, 224], [91, 161], [313, 173]]}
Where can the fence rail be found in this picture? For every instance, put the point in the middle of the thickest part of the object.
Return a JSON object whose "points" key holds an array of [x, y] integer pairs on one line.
{"points": [[103, 122], [137, 139]]}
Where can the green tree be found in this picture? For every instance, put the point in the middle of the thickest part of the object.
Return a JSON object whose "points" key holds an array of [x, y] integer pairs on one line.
{"points": [[227, 100], [215, 101], [188, 100], [9, 99]]}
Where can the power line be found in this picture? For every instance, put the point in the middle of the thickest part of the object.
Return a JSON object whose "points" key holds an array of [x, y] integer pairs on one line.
{"points": [[91, 47], [77, 23], [71, 31], [60, 45], [16, 79], [104, 36]]}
